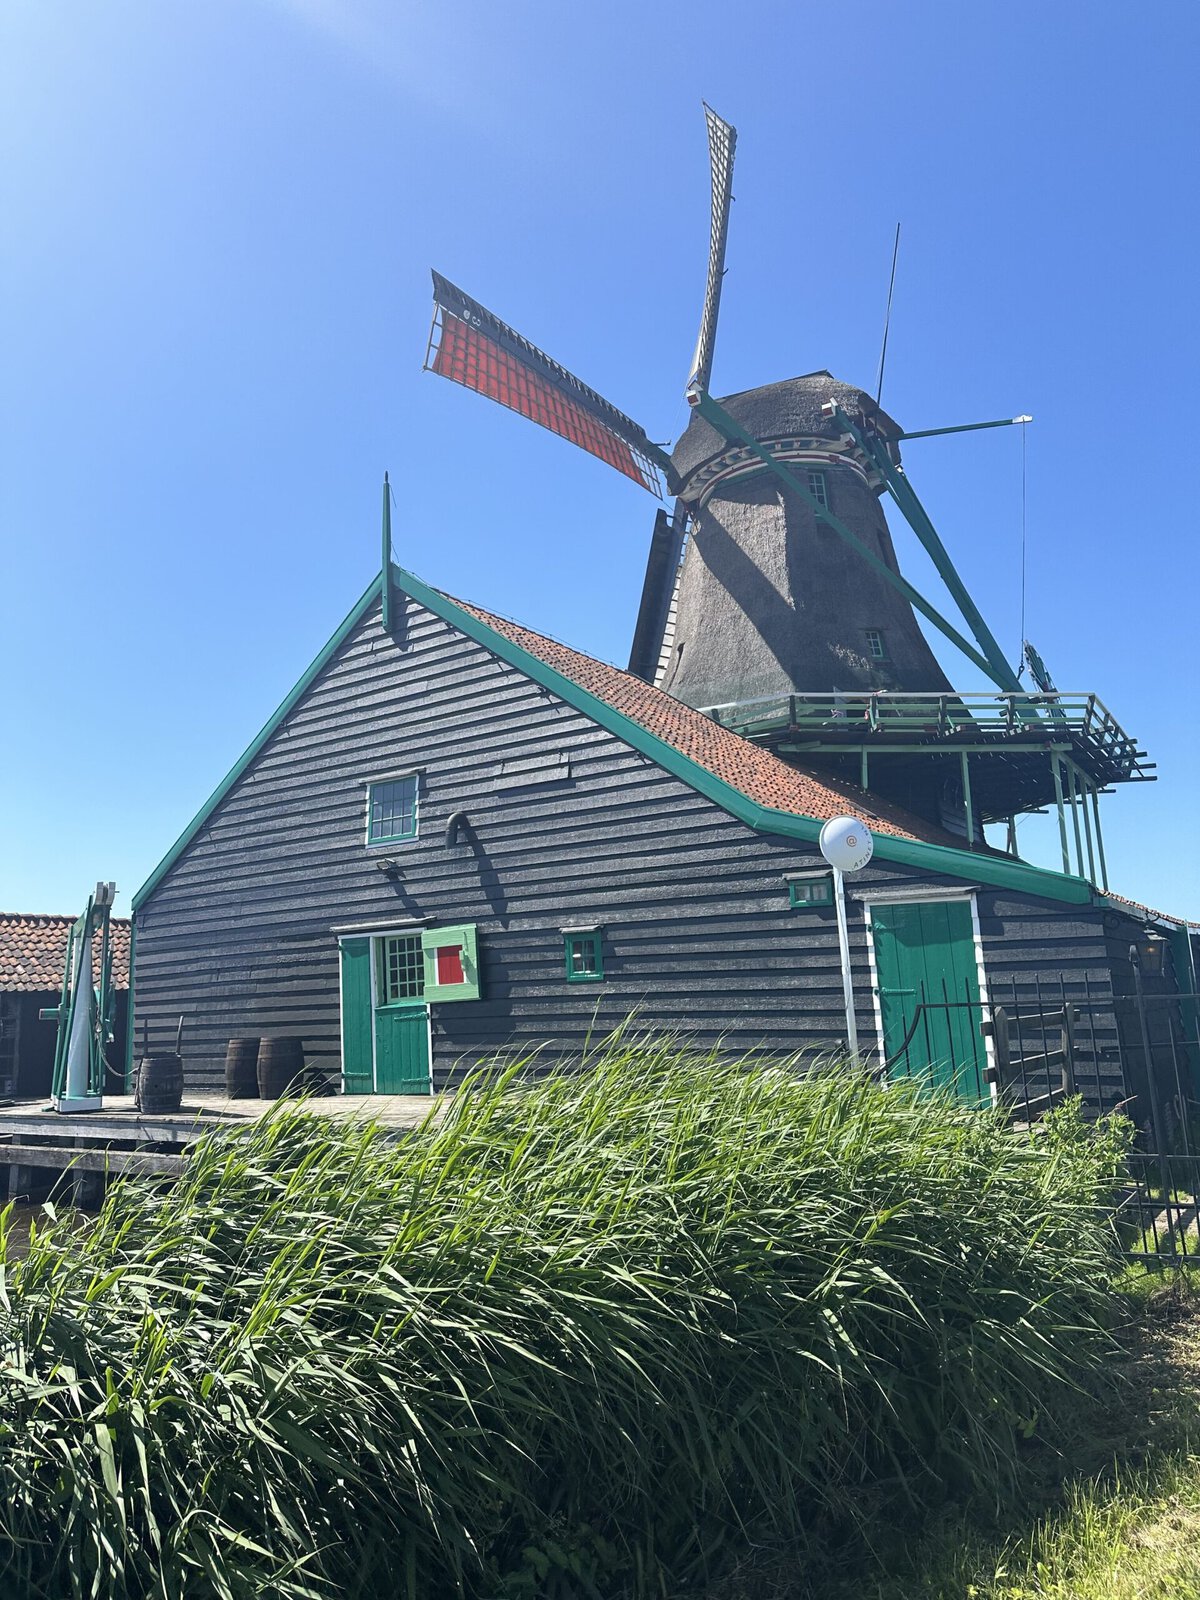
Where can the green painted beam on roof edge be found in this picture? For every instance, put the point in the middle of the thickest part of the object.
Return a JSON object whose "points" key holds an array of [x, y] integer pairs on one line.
{"points": [[997, 871], [290, 701]]}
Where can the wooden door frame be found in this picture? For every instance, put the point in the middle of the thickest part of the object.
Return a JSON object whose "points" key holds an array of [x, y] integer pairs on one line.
{"points": [[372, 936], [933, 894]]}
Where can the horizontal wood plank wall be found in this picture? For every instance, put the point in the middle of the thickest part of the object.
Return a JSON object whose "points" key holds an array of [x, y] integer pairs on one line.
{"points": [[699, 938]]}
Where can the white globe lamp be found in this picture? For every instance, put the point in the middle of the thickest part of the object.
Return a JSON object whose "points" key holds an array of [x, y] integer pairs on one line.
{"points": [[846, 843]]}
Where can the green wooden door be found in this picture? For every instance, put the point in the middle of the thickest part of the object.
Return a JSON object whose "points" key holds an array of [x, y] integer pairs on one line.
{"points": [[927, 973], [358, 1060], [401, 1050], [401, 1017]]}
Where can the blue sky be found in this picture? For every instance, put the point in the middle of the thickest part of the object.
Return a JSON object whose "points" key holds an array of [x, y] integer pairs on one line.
{"points": [[219, 221]]}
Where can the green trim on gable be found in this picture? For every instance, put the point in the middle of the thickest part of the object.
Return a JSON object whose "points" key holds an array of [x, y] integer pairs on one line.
{"points": [[279, 715], [995, 870]]}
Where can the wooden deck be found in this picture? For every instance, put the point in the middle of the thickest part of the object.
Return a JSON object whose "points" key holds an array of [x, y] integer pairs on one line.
{"points": [[120, 1139], [121, 1122]]}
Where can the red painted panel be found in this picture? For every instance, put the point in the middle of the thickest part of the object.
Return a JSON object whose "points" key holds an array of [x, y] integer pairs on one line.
{"points": [[449, 964], [469, 357]]}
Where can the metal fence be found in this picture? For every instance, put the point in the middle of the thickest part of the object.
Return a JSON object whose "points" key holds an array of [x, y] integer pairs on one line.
{"points": [[1037, 1042]]}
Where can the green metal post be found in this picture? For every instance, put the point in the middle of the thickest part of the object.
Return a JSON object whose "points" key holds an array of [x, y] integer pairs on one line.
{"points": [[734, 433], [1012, 836], [387, 555], [1071, 787], [1062, 815], [904, 496], [964, 427], [1084, 791], [1099, 839], [865, 768], [966, 783]]}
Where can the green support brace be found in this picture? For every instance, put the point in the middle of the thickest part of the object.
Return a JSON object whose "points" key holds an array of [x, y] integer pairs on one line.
{"points": [[1062, 815], [970, 809], [734, 433], [1074, 793], [903, 494], [1084, 791], [965, 427], [1099, 838]]}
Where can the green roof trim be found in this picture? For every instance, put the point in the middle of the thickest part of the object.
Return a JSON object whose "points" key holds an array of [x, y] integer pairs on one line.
{"points": [[279, 715], [999, 871]]}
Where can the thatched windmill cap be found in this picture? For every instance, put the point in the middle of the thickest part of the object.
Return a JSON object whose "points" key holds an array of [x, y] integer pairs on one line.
{"points": [[793, 408]]}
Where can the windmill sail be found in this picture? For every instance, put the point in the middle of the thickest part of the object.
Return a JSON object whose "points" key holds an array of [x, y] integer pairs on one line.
{"points": [[722, 142], [470, 346]]}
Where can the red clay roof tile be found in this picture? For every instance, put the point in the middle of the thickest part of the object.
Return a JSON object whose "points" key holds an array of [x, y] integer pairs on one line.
{"points": [[34, 948], [747, 767]]}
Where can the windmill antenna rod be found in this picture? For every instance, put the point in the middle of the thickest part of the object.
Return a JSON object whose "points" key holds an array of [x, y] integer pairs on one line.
{"points": [[887, 319], [967, 427]]}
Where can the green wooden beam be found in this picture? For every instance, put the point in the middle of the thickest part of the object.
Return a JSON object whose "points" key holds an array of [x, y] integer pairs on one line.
{"points": [[1062, 815], [965, 427], [1099, 838], [734, 433], [903, 494]]}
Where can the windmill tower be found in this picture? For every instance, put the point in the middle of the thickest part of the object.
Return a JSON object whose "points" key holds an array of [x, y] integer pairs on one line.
{"points": [[773, 599]]}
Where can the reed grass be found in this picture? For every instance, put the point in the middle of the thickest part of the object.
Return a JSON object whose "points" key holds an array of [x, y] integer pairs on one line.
{"points": [[583, 1336]]}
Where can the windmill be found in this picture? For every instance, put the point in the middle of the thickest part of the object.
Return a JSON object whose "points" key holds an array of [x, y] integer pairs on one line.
{"points": [[773, 599]]}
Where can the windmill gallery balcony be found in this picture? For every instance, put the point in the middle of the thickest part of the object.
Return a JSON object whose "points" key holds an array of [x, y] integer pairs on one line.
{"points": [[1011, 754]]}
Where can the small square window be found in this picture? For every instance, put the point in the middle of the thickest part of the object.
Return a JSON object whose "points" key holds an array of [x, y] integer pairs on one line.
{"points": [[392, 810], [584, 957], [805, 892], [875, 645], [818, 489]]}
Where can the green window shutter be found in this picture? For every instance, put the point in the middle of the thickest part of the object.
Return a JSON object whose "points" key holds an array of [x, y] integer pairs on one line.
{"points": [[451, 958], [358, 1070]]}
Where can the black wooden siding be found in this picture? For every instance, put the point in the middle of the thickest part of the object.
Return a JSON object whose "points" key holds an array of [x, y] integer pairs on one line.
{"points": [[699, 938]]}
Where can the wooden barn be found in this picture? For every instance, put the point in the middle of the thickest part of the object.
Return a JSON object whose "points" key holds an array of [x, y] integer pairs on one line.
{"points": [[33, 951], [457, 837]]}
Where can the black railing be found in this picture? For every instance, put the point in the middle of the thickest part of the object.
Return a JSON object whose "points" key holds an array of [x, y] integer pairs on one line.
{"points": [[1038, 1041]]}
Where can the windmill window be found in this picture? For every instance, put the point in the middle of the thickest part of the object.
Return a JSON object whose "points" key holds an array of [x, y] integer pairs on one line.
{"points": [[583, 956], [392, 810], [816, 487], [875, 645]]}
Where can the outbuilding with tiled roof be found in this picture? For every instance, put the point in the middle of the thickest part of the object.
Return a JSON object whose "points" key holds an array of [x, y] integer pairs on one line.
{"points": [[33, 951]]}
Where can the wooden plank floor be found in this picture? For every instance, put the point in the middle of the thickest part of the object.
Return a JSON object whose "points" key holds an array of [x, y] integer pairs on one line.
{"points": [[119, 1120]]}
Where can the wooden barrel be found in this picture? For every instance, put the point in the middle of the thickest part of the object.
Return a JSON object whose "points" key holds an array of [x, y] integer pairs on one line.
{"points": [[241, 1069], [159, 1086], [280, 1067]]}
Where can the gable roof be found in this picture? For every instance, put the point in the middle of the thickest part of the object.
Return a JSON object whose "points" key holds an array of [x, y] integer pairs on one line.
{"points": [[745, 780], [33, 951], [745, 766]]}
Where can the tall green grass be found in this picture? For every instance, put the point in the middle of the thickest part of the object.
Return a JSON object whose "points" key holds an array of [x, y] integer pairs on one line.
{"points": [[582, 1336]]}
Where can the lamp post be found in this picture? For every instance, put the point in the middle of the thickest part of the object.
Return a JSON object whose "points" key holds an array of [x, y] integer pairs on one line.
{"points": [[847, 845]]}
